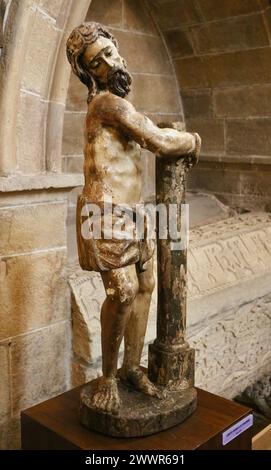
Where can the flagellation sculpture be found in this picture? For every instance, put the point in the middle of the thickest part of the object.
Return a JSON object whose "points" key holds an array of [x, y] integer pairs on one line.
{"points": [[131, 401]]}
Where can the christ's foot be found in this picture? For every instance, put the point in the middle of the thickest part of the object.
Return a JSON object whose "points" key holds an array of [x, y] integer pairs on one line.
{"points": [[141, 382], [105, 397]]}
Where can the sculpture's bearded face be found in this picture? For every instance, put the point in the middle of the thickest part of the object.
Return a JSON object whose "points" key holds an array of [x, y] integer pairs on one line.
{"points": [[102, 60]]}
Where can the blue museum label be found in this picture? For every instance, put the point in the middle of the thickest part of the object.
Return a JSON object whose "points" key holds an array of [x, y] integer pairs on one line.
{"points": [[237, 429]]}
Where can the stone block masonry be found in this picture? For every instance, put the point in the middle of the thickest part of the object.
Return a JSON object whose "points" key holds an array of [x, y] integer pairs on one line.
{"points": [[221, 53], [35, 333]]}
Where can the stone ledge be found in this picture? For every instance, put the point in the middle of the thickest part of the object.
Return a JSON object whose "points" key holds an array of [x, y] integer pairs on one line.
{"points": [[40, 181], [234, 350], [229, 252], [209, 309], [251, 159]]}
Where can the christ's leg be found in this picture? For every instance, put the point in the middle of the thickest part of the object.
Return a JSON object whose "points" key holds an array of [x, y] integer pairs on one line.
{"points": [[121, 286], [135, 334]]}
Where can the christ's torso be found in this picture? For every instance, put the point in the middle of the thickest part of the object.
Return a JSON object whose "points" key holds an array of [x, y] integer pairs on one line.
{"points": [[112, 165]]}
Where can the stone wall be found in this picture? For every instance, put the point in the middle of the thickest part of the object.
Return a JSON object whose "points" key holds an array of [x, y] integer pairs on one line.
{"points": [[34, 311], [222, 57]]}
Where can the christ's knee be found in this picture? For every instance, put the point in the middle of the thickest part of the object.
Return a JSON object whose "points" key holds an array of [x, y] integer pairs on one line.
{"points": [[124, 295], [147, 285]]}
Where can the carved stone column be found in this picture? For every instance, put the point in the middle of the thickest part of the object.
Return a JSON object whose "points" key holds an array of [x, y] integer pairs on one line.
{"points": [[171, 360]]}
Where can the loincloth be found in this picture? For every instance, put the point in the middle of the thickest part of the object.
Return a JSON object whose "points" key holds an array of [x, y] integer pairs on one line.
{"points": [[102, 254]]}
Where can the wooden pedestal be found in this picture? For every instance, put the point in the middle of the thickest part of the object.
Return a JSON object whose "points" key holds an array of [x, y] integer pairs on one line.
{"points": [[54, 425]]}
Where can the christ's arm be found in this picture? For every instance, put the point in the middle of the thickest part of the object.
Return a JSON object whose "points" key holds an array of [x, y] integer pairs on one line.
{"points": [[120, 113]]}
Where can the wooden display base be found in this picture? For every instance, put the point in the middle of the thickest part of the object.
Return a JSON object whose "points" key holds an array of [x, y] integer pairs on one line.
{"points": [[54, 424]]}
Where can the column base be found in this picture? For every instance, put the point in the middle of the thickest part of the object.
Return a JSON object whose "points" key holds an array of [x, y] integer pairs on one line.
{"points": [[172, 369]]}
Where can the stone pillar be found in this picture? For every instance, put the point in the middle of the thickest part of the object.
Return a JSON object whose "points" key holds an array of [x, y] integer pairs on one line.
{"points": [[171, 361]]}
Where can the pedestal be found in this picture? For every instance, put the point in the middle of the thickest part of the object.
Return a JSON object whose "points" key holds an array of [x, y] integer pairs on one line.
{"points": [[54, 424], [139, 414]]}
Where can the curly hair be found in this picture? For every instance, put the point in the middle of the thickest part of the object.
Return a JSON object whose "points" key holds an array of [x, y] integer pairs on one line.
{"points": [[80, 38]]}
